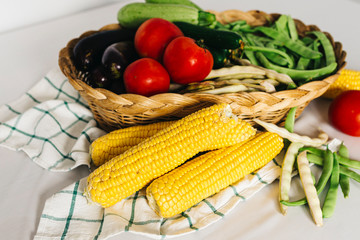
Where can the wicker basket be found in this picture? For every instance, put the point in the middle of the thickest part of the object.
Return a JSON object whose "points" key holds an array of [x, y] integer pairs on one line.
{"points": [[114, 111]]}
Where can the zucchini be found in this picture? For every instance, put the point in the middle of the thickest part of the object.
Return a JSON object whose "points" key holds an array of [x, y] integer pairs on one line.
{"points": [[222, 56], [212, 37], [134, 14], [181, 2]]}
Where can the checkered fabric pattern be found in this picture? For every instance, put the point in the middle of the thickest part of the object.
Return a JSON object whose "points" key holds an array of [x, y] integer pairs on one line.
{"points": [[51, 123], [54, 127]]}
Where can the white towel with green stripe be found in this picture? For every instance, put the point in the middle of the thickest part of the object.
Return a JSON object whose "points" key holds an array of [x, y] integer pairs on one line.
{"points": [[53, 125]]}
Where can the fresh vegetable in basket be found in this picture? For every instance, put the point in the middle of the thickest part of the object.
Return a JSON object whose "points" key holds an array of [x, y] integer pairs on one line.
{"points": [[186, 61], [88, 51], [99, 78], [117, 57], [276, 47], [213, 38], [133, 15], [153, 36], [280, 48], [180, 2], [146, 77]]}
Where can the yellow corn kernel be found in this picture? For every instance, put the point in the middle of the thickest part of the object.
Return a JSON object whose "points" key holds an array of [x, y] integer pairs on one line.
{"points": [[207, 174], [116, 142], [348, 80], [164, 151]]}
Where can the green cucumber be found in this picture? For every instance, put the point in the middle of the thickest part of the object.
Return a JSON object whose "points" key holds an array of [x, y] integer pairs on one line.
{"points": [[181, 2], [134, 14], [212, 37], [220, 56]]}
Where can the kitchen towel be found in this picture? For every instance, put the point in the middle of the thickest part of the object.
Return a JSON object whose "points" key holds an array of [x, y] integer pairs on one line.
{"points": [[54, 126]]}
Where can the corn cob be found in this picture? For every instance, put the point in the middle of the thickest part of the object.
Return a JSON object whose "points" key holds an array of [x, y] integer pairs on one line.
{"points": [[116, 142], [348, 80], [206, 175], [129, 172]]}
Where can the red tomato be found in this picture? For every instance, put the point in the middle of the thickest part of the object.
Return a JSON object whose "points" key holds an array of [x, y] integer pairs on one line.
{"points": [[146, 77], [344, 112], [187, 62], [153, 36]]}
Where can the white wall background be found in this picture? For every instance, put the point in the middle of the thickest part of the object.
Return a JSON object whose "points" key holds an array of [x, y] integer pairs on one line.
{"points": [[15, 14]]}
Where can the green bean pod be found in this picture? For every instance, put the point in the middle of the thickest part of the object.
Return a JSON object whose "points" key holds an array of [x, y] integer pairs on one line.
{"points": [[327, 163], [290, 44], [276, 58], [290, 119], [314, 150], [295, 74], [292, 29], [288, 59], [348, 162], [331, 196], [281, 25], [327, 47], [250, 55], [347, 172], [303, 63], [344, 179], [318, 160], [326, 171]]}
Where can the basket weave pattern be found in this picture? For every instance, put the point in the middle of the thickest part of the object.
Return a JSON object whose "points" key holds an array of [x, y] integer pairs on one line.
{"points": [[114, 111]]}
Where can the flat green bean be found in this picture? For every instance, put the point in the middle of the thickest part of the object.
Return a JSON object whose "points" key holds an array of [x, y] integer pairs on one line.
{"points": [[327, 163], [316, 62], [281, 25], [292, 29], [313, 158], [290, 44], [316, 159], [331, 196], [289, 124], [348, 162], [271, 50], [290, 119], [249, 54], [314, 150], [350, 173], [295, 74], [327, 170], [307, 40], [327, 47], [344, 179], [303, 63], [275, 58]]}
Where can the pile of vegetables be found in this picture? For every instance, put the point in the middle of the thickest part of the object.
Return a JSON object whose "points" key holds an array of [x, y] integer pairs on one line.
{"points": [[300, 152], [175, 46], [279, 47], [176, 34]]}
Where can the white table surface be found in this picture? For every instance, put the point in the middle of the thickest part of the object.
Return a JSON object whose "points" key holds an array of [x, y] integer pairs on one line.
{"points": [[29, 53]]}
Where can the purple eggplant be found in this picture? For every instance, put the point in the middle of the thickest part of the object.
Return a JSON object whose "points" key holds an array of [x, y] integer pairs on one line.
{"points": [[98, 78], [117, 57], [89, 50]]}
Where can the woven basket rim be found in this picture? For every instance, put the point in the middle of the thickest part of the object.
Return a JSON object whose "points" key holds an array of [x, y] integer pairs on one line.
{"points": [[124, 102]]}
